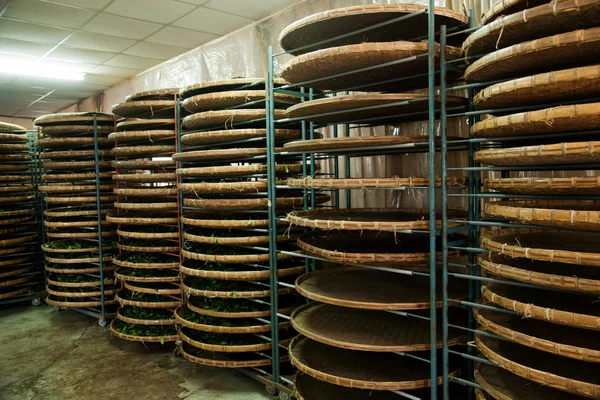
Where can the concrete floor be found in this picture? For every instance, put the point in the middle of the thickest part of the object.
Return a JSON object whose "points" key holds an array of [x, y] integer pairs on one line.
{"points": [[49, 355]]}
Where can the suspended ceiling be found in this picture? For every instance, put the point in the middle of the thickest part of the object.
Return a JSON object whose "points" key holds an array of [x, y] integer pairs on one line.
{"points": [[108, 40]]}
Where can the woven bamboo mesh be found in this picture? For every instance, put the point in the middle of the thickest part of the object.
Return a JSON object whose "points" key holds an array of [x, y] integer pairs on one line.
{"points": [[141, 136], [233, 135], [180, 315], [174, 289], [74, 154], [506, 7], [235, 98], [225, 154], [146, 206], [13, 293], [365, 330], [250, 294], [230, 221], [149, 265], [569, 49], [564, 341], [147, 235], [145, 109], [147, 304], [149, 249], [358, 369], [238, 240], [219, 85], [224, 360], [15, 281], [359, 183], [578, 185], [91, 284], [147, 339], [261, 203], [137, 321], [227, 119], [237, 170], [146, 178], [226, 348], [231, 258], [562, 85], [241, 314], [141, 124], [224, 187], [83, 294], [163, 279], [351, 142], [144, 151], [70, 118], [52, 301], [239, 275], [68, 130], [78, 142], [561, 373], [547, 154], [154, 94], [140, 220]]}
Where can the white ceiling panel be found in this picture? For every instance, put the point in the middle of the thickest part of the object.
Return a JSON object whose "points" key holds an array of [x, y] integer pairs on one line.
{"points": [[162, 11], [96, 41], [154, 50], [80, 55], [91, 4], [24, 48], [125, 61], [173, 36], [195, 2], [47, 13], [101, 80], [114, 72], [32, 32], [6, 78], [114, 25], [212, 21], [252, 9]]}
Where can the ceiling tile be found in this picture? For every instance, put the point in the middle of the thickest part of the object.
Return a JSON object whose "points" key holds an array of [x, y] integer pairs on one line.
{"points": [[196, 2], [125, 61], [212, 21], [251, 9], [93, 4], [101, 80], [12, 46], [120, 26], [32, 32], [6, 79], [162, 51], [162, 11], [47, 13], [96, 41], [181, 37], [80, 55], [115, 72]]}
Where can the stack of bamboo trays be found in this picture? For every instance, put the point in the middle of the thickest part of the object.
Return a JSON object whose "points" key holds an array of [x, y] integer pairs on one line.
{"points": [[542, 55], [147, 215], [364, 314], [20, 254], [71, 180], [226, 321]]}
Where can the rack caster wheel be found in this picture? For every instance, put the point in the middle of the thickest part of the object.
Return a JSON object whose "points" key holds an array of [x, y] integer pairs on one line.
{"points": [[284, 396], [56, 308], [36, 302], [177, 350], [102, 322], [272, 390]]}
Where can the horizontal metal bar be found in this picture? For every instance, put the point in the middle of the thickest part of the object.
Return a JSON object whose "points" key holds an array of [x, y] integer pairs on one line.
{"points": [[465, 382], [470, 357], [485, 307]]}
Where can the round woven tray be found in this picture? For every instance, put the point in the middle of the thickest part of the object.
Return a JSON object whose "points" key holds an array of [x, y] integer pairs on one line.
{"points": [[78, 200], [560, 340], [12, 272], [77, 142], [228, 348], [149, 249], [146, 206], [366, 330], [545, 245], [92, 247], [579, 117], [63, 188], [221, 85], [15, 178], [377, 219], [233, 135], [78, 269], [13, 138], [333, 23], [233, 295], [151, 192], [242, 314], [14, 293], [260, 203], [533, 23], [74, 154], [142, 136], [8, 127], [158, 165], [127, 264], [75, 165], [77, 235], [556, 307], [134, 287], [581, 214], [225, 360], [547, 154], [12, 213], [389, 291], [97, 293], [145, 178], [228, 221], [506, 7], [76, 260], [227, 118], [358, 369], [14, 261], [146, 235], [180, 315], [136, 321], [86, 176], [345, 107], [240, 275], [144, 151], [220, 154], [552, 52], [146, 279], [77, 304], [231, 258], [221, 100], [72, 118], [145, 109], [141, 220], [14, 167], [155, 94], [238, 170], [135, 124], [551, 87], [224, 187], [148, 304], [15, 281], [15, 157], [70, 130], [336, 60], [351, 142], [236, 240], [576, 278], [561, 373], [14, 250], [371, 248], [360, 183], [147, 339], [504, 385], [16, 199], [18, 240], [580, 185], [18, 188], [13, 221], [13, 147], [72, 224]]}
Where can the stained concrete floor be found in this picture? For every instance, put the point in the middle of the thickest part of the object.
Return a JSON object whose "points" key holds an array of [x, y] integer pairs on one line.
{"points": [[49, 355]]}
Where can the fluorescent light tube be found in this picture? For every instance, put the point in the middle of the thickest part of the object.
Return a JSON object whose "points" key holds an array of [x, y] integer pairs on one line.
{"points": [[39, 69]]}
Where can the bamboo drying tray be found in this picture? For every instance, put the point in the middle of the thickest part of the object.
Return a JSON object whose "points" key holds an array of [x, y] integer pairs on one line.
{"points": [[344, 108], [51, 281], [86, 176], [145, 279], [255, 294], [13, 221], [342, 59], [147, 192], [360, 183], [240, 275], [146, 206], [533, 23], [348, 143], [12, 272], [78, 142], [238, 170], [149, 249], [366, 330], [228, 348], [175, 291], [128, 264], [73, 118], [77, 235], [147, 304], [228, 118], [564, 50], [79, 199], [573, 118], [154, 94], [260, 203], [507, 7], [141, 220], [504, 385], [545, 245], [14, 167], [16, 198], [378, 219], [77, 260], [143, 151], [82, 250], [69, 130], [146, 178], [72, 224], [580, 214], [546, 154], [219, 154], [97, 293], [358, 369], [563, 341], [223, 221], [18, 240], [76, 269], [8, 127], [14, 282], [76, 304], [559, 308], [159, 322], [145, 108], [145, 235], [233, 135], [226, 360], [12, 213], [344, 286], [14, 261], [220, 85], [384, 248], [576, 278], [16, 292], [74, 165], [15, 178], [561, 373], [550, 87], [243, 314], [235, 98], [13, 147], [231, 259], [15, 157], [136, 124], [309, 31], [159, 165], [259, 328], [142, 136], [14, 250], [19, 188], [64, 188], [580, 185], [147, 339], [236, 240], [224, 187]]}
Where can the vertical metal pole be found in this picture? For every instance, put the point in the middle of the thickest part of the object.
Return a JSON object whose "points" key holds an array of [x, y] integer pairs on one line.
{"points": [[432, 205], [99, 214], [348, 173], [179, 192], [444, 176], [272, 201], [313, 263], [336, 166]]}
